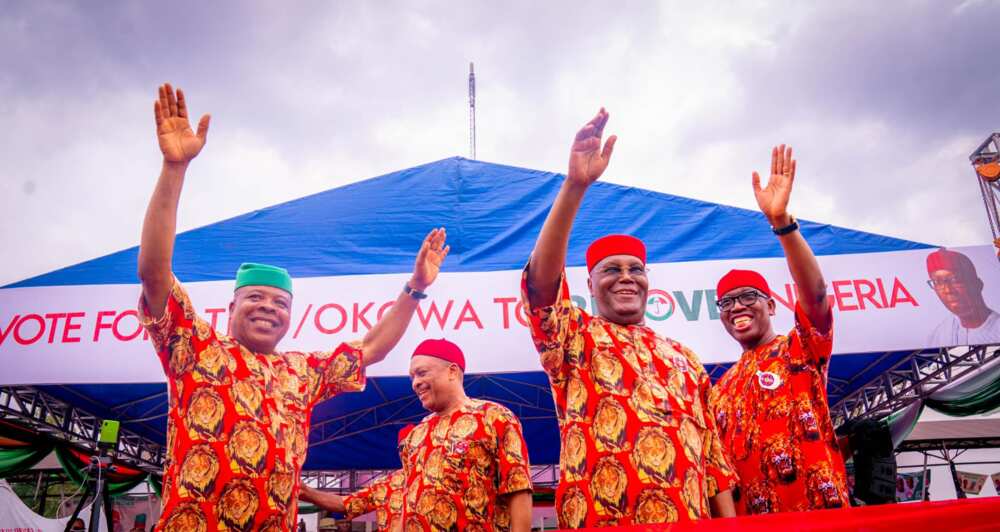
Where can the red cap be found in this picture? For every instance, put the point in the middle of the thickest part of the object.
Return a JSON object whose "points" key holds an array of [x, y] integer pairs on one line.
{"points": [[738, 278], [607, 246], [952, 261], [442, 349]]}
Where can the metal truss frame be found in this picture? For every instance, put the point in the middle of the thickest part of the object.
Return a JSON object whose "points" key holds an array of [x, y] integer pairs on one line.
{"points": [[989, 151], [39, 411], [950, 444], [911, 379]]}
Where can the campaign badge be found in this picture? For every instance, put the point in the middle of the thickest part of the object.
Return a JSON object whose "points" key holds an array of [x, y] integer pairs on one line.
{"points": [[768, 380]]}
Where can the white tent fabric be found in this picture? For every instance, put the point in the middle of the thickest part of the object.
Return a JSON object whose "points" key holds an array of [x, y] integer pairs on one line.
{"points": [[14, 515]]}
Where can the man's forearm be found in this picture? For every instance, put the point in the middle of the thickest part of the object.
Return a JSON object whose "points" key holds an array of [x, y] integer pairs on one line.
{"points": [[549, 256], [158, 231], [520, 511], [806, 275], [385, 334], [722, 504], [330, 502]]}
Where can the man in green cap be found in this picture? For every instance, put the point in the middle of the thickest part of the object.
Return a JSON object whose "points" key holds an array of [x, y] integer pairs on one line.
{"points": [[238, 420]]}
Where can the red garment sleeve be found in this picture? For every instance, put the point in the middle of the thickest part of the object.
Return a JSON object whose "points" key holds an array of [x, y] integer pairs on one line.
{"points": [[557, 329], [807, 346]]}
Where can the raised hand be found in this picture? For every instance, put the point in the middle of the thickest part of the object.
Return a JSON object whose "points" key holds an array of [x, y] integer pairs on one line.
{"points": [[178, 142], [587, 160], [429, 258], [773, 199]]}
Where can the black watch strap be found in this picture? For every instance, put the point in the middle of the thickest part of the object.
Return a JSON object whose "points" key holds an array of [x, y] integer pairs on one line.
{"points": [[781, 231], [414, 293]]}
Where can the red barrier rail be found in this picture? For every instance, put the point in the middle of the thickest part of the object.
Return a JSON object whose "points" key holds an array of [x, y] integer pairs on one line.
{"points": [[969, 514]]}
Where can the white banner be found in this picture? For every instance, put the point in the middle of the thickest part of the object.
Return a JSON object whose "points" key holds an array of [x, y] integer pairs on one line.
{"points": [[912, 486], [882, 302], [972, 483]]}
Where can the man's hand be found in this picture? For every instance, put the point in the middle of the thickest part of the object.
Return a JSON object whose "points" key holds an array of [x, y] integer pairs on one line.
{"points": [[387, 332], [587, 160], [773, 202], [429, 258], [173, 130], [773, 199], [179, 145]]}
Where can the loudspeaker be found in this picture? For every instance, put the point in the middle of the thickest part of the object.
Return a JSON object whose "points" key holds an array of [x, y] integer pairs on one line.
{"points": [[874, 462]]}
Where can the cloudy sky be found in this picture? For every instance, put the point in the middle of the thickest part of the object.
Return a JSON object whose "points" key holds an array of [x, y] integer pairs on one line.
{"points": [[883, 102]]}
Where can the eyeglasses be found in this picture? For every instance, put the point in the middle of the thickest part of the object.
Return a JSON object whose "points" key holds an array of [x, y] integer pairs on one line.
{"points": [[950, 282], [745, 298], [633, 271]]}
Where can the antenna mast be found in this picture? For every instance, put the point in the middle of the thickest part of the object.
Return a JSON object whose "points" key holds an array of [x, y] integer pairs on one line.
{"points": [[472, 112]]}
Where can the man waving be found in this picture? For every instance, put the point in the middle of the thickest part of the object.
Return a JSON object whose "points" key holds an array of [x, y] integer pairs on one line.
{"points": [[638, 443], [238, 419], [771, 406]]}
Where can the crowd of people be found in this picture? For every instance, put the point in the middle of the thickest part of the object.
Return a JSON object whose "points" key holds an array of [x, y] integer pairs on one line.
{"points": [[645, 437]]}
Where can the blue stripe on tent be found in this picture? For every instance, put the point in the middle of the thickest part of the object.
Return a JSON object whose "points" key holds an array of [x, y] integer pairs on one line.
{"points": [[493, 214]]}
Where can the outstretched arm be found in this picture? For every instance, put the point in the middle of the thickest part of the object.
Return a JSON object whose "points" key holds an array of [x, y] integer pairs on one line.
{"points": [[179, 145], [520, 511], [330, 502], [587, 161], [386, 333], [773, 202]]}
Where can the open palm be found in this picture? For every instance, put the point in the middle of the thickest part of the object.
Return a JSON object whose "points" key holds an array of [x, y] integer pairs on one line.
{"points": [[587, 160], [429, 258], [773, 199], [178, 142]]}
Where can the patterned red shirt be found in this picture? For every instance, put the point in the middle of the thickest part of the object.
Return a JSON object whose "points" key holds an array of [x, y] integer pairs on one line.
{"points": [[638, 444], [383, 495], [772, 413], [458, 468], [238, 422]]}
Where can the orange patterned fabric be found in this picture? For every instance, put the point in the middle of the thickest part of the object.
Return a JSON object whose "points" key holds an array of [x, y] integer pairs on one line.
{"points": [[772, 414], [638, 443], [459, 468], [383, 495], [238, 422]]}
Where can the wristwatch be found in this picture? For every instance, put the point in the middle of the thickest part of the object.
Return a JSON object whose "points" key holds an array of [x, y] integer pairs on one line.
{"points": [[781, 231], [413, 292]]}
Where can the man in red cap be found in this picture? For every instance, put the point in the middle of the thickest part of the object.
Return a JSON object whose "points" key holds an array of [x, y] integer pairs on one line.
{"points": [[955, 281], [466, 463], [238, 417], [771, 406], [638, 443]]}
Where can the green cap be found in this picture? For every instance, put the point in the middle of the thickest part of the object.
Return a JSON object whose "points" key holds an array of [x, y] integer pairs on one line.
{"points": [[253, 274]]}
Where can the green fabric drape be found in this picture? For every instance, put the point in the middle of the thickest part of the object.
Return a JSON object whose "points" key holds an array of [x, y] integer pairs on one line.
{"points": [[14, 460], [980, 399], [979, 394], [157, 484], [305, 509], [902, 423], [76, 473]]}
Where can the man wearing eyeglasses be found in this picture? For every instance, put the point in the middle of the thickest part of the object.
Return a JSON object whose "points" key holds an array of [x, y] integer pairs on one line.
{"points": [[955, 281], [638, 444], [771, 406]]}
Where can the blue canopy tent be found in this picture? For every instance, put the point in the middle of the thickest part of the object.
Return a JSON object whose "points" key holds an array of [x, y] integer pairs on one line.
{"points": [[493, 214]]}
